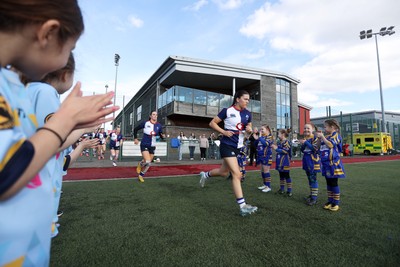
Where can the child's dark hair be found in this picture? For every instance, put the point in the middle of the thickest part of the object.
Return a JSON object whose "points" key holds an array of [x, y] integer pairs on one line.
{"points": [[239, 94], [333, 123], [58, 74], [15, 14], [285, 132]]}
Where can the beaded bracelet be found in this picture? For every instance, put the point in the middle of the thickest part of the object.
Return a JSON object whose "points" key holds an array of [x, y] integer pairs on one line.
{"points": [[54, 132]]}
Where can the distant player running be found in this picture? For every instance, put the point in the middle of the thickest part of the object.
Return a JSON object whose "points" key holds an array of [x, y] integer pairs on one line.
{"points": [[151, 129]]}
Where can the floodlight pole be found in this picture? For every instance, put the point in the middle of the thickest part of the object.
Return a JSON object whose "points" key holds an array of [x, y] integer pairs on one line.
{"points": [[116, 61], [380, 86], [368, 34]]}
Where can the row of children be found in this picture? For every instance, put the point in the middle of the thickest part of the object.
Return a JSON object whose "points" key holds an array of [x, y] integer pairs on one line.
{"points": [[320, 153]]}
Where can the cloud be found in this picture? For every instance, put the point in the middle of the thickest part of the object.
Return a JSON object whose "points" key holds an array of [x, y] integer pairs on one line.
{"points": [[228, 4], [196, 6], [259, 54], [326, 34], [135, 22]]}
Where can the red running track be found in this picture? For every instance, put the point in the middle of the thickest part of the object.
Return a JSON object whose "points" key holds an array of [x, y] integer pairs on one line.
{"points": [[177, 170]]}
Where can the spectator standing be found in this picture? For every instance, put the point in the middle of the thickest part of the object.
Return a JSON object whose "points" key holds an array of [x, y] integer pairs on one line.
{"points": [[203, 147], [192, 145], [295, 145], [182, 137], [253, 147], [212, 146]]}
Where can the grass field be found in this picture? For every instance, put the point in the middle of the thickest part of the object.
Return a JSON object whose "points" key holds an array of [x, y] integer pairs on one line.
{"points": [[174, 222]]}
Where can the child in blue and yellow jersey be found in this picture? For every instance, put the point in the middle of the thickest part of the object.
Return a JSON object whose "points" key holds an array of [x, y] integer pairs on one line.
{"points": [[332, 166], [45, 99], [264, 155], [311, 161], [283, 157]]}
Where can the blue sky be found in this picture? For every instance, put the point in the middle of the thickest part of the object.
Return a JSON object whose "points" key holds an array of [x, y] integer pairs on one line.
{"points": [[315, 41]]}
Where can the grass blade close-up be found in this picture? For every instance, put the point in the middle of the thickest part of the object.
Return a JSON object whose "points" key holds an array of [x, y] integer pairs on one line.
{"points": [[173, 222]]}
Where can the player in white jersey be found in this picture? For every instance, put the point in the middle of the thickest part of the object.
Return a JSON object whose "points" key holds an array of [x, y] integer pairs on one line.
{"points": [[237, 121], [151, 129]]}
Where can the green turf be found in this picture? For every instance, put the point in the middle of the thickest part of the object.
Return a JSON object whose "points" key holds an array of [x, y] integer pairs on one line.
{"points": [[174, 222]]}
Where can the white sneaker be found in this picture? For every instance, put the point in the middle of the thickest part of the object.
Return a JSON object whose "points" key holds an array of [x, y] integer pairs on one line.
{"points": [[247, 210], [266, 190], [114, 164], [203, 179], [262, 187]]}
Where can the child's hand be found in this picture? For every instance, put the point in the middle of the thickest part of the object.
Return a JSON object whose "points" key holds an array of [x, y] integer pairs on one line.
{"points": [[274, 146], [302, 141], [319, 134], [86, 111], [88, 143]]}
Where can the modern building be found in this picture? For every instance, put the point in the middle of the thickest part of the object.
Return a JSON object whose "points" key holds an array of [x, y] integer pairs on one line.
{"points": [[188, 93], [365, 122]]}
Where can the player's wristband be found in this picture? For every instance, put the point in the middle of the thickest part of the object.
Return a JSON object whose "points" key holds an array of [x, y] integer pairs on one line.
{"points": [[54, 132]]}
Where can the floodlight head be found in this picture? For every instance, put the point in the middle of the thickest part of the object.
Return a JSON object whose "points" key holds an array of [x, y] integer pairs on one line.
{"points": [[362, 35], [390, 28], [369, 33], [391, 32], [116, 59]]}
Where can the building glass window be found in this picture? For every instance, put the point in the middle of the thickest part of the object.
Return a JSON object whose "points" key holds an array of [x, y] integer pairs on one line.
{"points": [[200, 97], [131, 118], [139, 113], [256, 106], [226, 101], [185, 94], [283, 104], [213, 99], [169, 97]]}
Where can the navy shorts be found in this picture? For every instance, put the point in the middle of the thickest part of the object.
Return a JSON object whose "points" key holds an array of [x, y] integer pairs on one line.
{"points": [[228, 151], [149, 149], [114, 147]]}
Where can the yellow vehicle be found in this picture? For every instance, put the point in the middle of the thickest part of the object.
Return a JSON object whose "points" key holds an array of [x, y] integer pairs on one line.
{"points": [[372, 143]]}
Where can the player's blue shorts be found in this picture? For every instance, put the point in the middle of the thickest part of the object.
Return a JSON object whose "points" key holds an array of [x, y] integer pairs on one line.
{"points": [[227, 151], [149, 149], [113, 146]]}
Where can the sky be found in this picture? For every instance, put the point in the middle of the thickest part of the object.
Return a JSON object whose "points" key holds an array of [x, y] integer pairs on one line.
{"points": [[315, 41]]}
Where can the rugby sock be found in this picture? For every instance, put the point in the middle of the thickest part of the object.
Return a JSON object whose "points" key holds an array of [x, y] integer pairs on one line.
{"points": [[314, 190], [289, 184], [330, 193], [336, 195], [241, 201], [312, 181], [145, 168], [267, 178], [282, 184]]}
